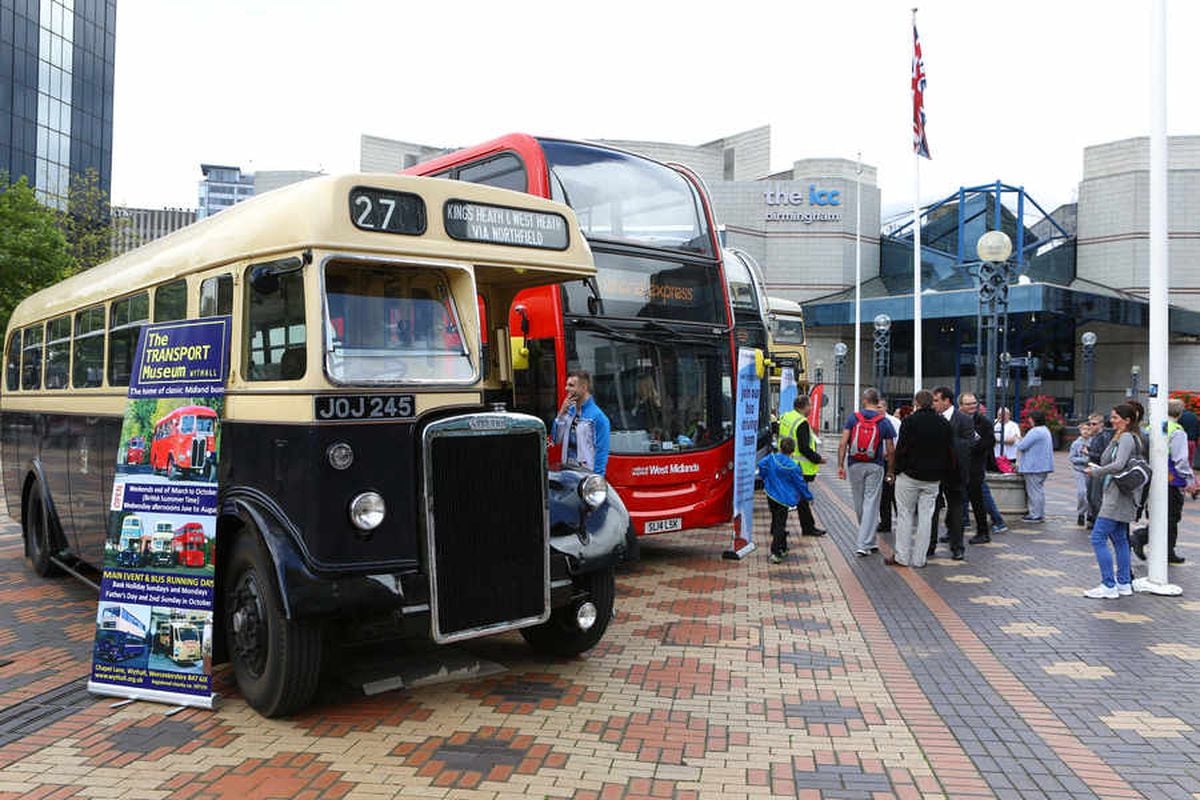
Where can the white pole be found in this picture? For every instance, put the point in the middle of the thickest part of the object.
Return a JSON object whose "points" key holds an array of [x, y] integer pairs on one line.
{"points": [[857, 281], [1159, 257], [916, 273]]}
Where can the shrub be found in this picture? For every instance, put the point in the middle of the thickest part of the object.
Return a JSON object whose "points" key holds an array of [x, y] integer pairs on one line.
{"points": [[1048, 406], [1191, 400]]}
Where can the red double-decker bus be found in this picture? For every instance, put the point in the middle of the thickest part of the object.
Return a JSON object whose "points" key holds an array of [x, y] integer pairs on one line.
{"points": [[188, 545], [653, 328]]}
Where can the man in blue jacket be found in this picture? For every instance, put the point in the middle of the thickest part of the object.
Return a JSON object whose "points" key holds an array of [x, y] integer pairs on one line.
{"points": [[581, 427], [784, 483]]}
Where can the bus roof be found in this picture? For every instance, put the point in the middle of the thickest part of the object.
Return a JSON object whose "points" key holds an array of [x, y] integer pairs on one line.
{"points": [[781, 305], [317, 213], [200, 411]]}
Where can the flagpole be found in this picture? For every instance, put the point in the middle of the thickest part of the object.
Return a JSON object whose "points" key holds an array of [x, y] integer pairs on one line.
{"points": [[1157, 581], [857, 279], [917, 345]]}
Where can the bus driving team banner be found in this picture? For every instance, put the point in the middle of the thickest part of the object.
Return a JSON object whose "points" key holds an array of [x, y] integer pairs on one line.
{"points": [[154, 626]]}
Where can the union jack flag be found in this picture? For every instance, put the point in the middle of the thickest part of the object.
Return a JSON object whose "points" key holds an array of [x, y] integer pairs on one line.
{"points": [[920, 143]]}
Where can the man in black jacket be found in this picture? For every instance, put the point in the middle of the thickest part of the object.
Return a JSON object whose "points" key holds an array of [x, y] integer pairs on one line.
{"points": [[954, 484], [981, 450], [923, 455]]}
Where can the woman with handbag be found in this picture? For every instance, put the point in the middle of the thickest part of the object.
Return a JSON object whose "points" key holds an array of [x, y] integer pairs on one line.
{"points": [[1117, 508]]}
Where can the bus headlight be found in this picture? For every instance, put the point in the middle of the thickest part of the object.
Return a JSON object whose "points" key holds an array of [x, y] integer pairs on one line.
{"points": [[340, 455], [367, 511], [593, 490]]}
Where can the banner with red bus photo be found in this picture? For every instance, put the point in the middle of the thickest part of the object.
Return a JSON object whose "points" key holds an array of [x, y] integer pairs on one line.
{"points": [[154, 625]]}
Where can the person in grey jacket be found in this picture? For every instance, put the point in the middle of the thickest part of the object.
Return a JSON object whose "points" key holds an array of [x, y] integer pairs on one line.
{"points": [[1117, 508], [1035, 461]]}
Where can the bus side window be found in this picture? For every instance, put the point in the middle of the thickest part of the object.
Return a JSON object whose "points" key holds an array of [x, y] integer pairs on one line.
{"points": [[58, 352], [12, 369], [216, 296], [275, 328], [170, 302], [505, 171], [31, 357], [128, 316], [88, 367]]}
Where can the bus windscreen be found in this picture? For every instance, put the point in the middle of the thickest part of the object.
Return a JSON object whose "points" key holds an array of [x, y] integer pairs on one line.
{"points": [[622, 197]]}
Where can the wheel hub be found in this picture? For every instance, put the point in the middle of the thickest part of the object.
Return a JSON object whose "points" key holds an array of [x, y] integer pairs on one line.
{"points": [[249, 625]]}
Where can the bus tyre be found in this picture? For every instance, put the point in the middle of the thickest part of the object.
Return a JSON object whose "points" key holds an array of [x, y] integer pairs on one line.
{"points": [[276, 660], [172, 470], [38, 530], [560, 635], [210, 471]]}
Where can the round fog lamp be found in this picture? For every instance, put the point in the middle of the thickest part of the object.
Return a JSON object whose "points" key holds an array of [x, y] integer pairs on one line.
{"points": [[340, 455], [593, 490], [585, 615], [367, 510]]}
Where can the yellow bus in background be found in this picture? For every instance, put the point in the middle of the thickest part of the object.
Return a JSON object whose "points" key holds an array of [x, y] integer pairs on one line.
{"points": [[787, 346]]}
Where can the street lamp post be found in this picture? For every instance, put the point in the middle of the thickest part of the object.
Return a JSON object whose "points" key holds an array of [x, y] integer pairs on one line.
{"points": [[1089, 357], [1005, 375], [1135, 377], [839, 361], [994, 248], [883, 351]]}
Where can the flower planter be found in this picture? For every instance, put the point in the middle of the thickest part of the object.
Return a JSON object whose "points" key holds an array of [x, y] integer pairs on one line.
{"points": [[1008, 490]]}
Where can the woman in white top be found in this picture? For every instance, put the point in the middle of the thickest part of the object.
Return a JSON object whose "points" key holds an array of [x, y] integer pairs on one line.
{"points": [[1007, 434]]}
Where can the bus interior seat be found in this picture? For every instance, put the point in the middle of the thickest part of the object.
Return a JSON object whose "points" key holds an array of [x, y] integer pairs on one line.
{"points": [[293, 364]]}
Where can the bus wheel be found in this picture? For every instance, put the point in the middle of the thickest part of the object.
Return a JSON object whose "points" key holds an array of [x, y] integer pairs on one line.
{"points": [[210, 471], [37, 530], [172, 470], [276, 660], [561, 635]]}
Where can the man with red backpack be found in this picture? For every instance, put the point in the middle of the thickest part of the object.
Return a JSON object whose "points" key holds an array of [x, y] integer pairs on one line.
{"points": [[865, 456]]}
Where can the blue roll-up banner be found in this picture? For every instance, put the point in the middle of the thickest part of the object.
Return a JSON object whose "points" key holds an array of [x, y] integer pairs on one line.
{"points": [[154, 625], [787, 390], [745, 449]]}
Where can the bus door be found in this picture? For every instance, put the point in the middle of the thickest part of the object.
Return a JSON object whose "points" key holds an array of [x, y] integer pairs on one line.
{"points": [[534, 322], [90, 475]]}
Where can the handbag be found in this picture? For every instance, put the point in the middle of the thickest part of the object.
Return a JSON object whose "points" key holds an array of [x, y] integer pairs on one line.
{"points": [[1005, 465]]}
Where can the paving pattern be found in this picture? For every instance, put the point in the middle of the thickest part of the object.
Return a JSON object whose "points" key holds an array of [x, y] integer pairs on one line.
{"points": [[827, 676]]}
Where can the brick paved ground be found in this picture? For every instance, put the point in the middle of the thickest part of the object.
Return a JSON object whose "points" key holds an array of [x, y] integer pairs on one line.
{"points": [[825, 677]]}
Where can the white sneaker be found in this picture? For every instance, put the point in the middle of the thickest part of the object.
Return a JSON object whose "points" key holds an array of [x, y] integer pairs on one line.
{"points": [[1124, 589], [1102, 592]]}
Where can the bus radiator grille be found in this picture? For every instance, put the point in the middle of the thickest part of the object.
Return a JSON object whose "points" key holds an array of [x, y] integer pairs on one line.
{"points": [[488, 530]]}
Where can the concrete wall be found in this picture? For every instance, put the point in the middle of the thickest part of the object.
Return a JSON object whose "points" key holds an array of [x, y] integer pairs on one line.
{"points": [[806, 250], [377, 154], [1114, 217]]}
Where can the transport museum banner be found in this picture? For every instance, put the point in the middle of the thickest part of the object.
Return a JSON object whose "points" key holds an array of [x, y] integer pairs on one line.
{"points": [[745, 448], [154, 626]]}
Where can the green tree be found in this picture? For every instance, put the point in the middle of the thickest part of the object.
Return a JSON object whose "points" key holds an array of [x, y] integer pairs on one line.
{"points": [[88, 223], [33, 249]]}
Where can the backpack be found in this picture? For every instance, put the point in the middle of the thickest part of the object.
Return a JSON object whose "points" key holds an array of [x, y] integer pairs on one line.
{"points": [[864, 437]]}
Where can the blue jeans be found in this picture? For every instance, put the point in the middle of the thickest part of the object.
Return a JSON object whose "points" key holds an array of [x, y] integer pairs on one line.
{"points": [[1108, 530]]}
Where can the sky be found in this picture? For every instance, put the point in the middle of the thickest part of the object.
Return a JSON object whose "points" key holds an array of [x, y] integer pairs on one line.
{"points": [[1015, 90]]}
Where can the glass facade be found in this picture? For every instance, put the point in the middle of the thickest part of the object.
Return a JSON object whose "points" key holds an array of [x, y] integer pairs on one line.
{"points": [[56, 92]]}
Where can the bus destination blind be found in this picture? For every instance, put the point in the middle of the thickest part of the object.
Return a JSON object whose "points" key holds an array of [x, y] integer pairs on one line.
{"points": [[516, 227]]}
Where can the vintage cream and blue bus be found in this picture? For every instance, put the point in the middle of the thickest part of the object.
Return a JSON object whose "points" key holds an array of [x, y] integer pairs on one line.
{"points": [[120, 635], [368, 470]]}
